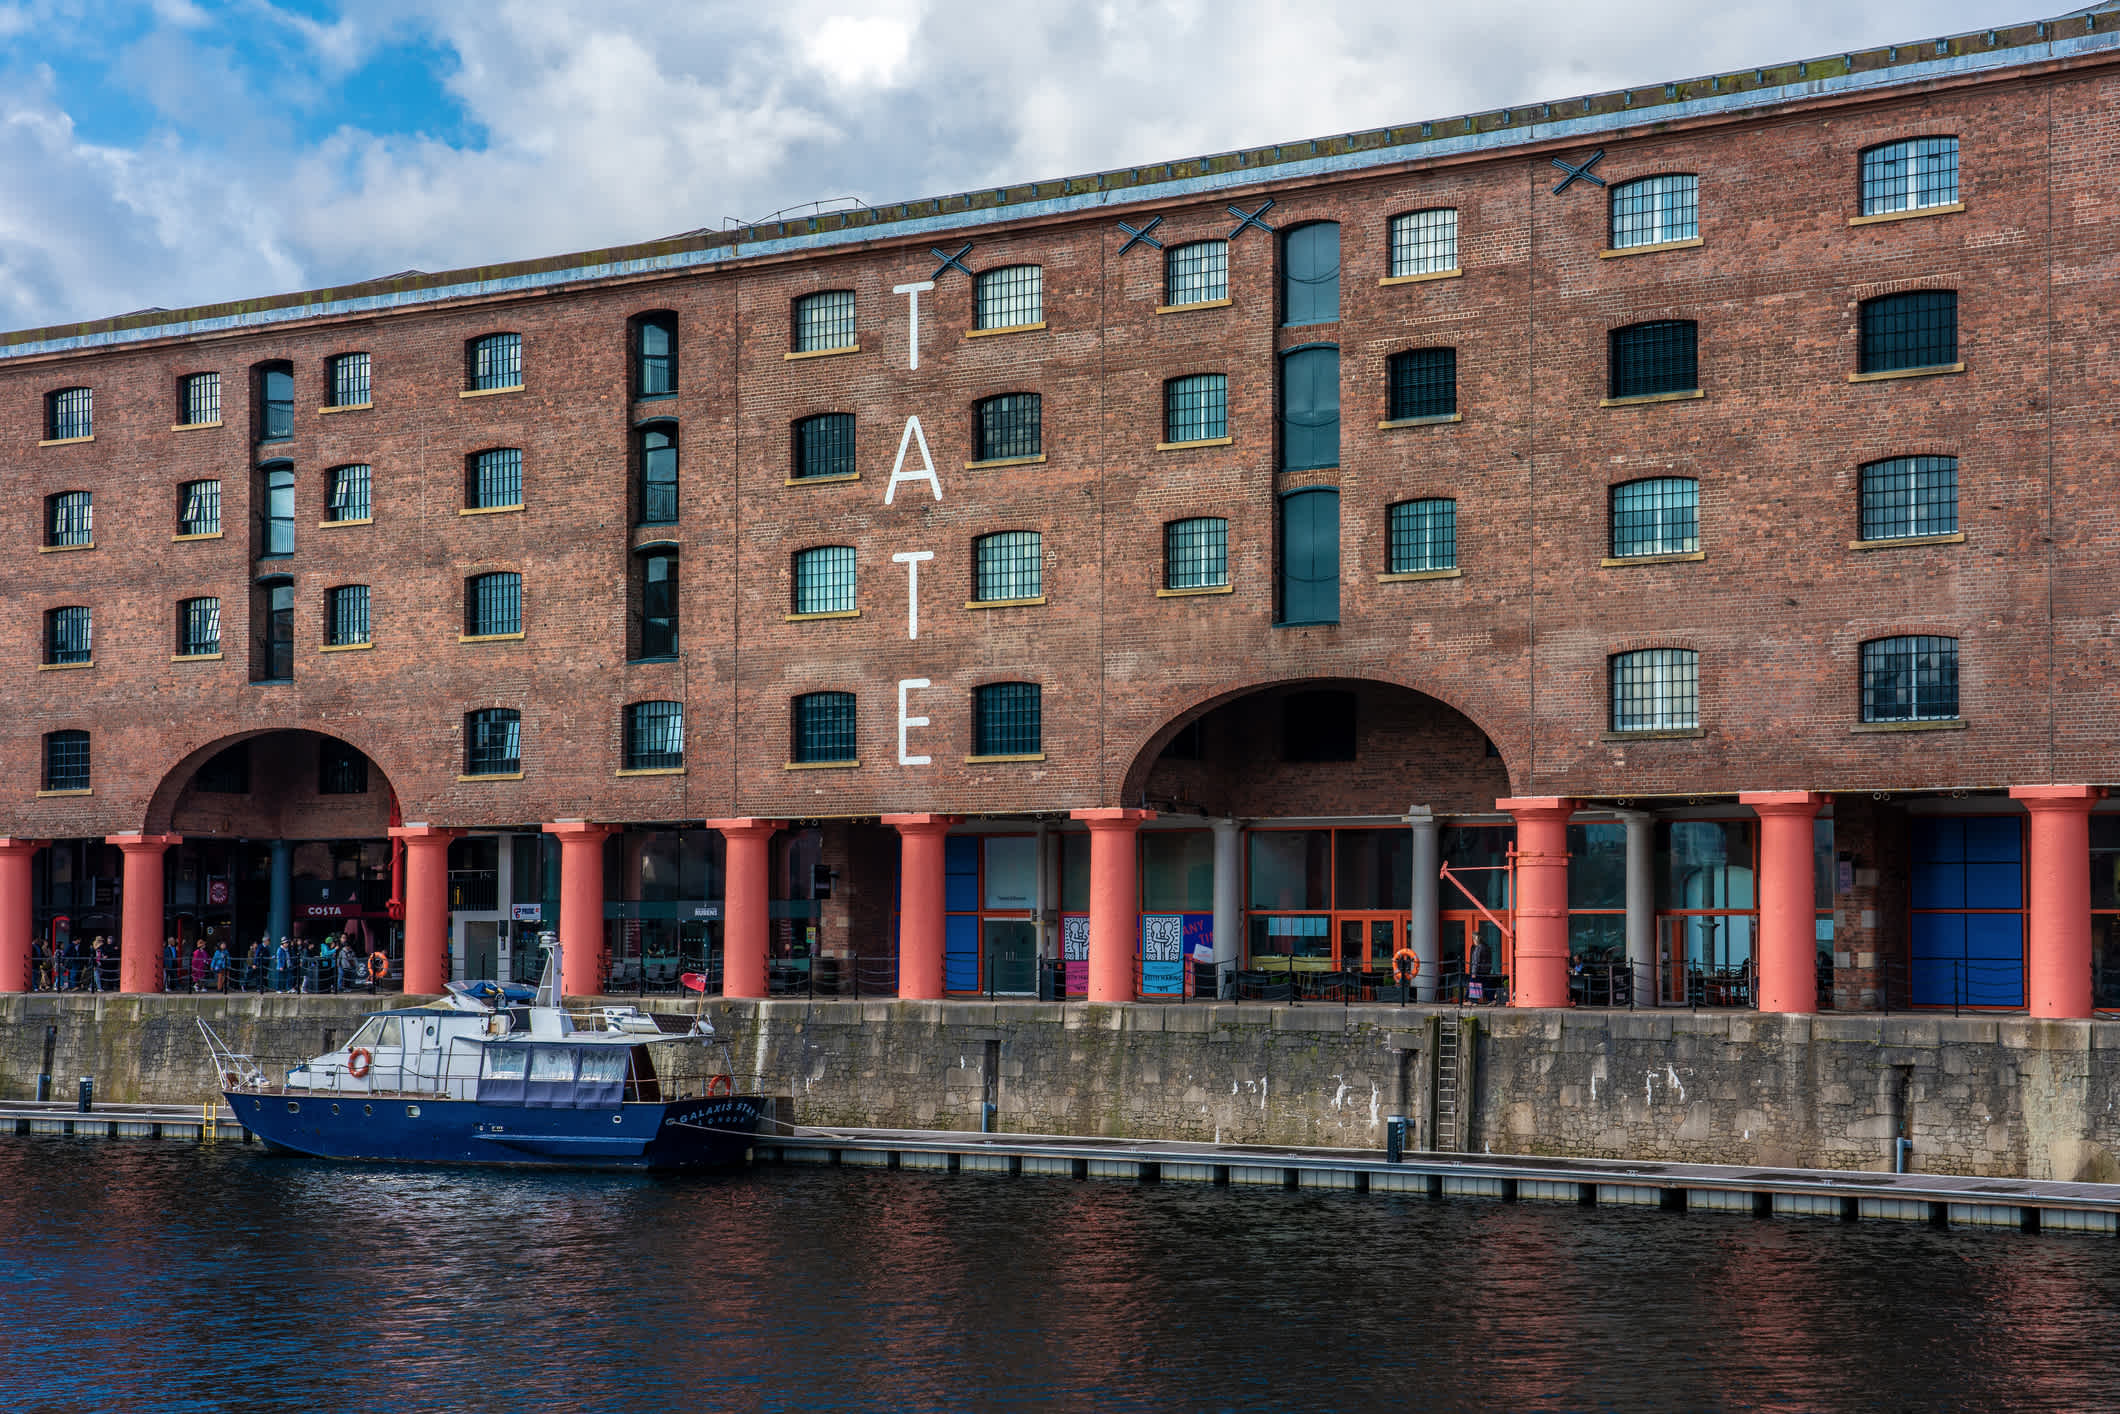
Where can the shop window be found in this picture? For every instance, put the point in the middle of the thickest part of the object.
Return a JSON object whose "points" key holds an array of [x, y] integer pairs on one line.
{"points": [[1177, 871], [1966, 934], [1372, 870], [1597, 896], [1289, 870]]}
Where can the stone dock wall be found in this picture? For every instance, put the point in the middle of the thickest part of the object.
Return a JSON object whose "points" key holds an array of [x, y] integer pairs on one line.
{"points": [[2001, 1096]]}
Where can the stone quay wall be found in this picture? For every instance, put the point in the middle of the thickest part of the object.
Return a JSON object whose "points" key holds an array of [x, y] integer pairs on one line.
{"points": [[2003, 1096]]}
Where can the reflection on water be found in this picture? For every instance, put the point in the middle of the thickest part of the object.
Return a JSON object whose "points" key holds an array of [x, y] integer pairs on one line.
{"points": [[165, 1276]]}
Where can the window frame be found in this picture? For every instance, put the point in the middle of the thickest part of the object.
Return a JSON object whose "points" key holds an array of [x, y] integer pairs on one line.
{"points": [[1870, 195], [199, 393], [1665, 223], [273, 417], [1204, 531], [478, 485], [1210, 274], [1008, 427], [352, 497], [820, 315], [489, 358], [1287, 280], [1008, 573], [493, 738], [638, 724], [1195, 409], [1008, 721], [347, 620], [1886, 513], [489, 592], [269, 516], [70, 520], [1007, 290], [346, 374], [832, 433], [823, 580], [1430, 371], [1405, 258], [69, 636], [1285, 418], [1661, 513], [657, 637], [70, 414], [190, 614], [1652, 690], [666, 364], [652, 492], [81, 762], [1631, 359], [1904, 313], [1431, 522], [806, 739], [191, 492], [1910, 690]]}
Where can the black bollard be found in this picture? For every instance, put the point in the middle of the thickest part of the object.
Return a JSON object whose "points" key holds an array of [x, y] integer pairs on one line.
{"points": [[88, 1094]]}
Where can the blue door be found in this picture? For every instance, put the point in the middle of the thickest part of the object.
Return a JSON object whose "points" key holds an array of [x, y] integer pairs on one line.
{"points": [[1966, 945]]}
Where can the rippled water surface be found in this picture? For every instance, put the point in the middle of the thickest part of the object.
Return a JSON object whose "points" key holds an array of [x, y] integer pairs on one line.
{"points": [[142, 1275]]}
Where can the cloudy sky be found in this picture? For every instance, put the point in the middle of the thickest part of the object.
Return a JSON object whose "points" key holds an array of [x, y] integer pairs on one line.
{"points": [[174, 152]]}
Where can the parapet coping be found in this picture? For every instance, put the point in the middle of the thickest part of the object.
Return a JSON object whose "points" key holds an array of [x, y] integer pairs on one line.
{"points": [[1596, 115]]}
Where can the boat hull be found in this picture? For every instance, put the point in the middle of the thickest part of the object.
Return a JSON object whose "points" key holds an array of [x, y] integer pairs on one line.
{"points": [[411, 1129]]}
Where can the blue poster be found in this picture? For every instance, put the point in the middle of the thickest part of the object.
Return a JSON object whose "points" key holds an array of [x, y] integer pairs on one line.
{"points": [[1162, 955]]}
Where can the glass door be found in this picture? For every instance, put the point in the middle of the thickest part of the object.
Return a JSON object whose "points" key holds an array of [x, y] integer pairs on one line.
{"points": [[1012, 956], [1367, 941]]}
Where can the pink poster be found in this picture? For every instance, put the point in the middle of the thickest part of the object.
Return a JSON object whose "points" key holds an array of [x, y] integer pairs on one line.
{"points": [[1074, 941]]}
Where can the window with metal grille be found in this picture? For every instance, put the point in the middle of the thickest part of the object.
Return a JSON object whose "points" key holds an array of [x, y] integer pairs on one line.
{"points": [[1008, 426], [1656, 517], [69, 519], [824, 580], [493, 479], [1422, 536], [272, 630], [823, 727], [198, 627], [199, 399], [199, 508], [824, 320], [1196, 553], [66, 761], [1005, 720], [1655, 690], [1310, 274], [1652, 358], [276, 511], [70, 412], [654, 355], [346, 615], [341, 769], [655, 736], [1424, 242], [1655, 209], [1903, 497], [824, 446], [226, 772], [1196, 272], [1918, 329], [493, 742], [1310, 408], [1422, 383], [1909, 175], [1010, 297], [274, 384], [1008, 565], [655, 456], [67, 634], [654, 605], [494, 361], [1910, 679], [352, 493], [1196, 408], [493, 603], [349, 381]]}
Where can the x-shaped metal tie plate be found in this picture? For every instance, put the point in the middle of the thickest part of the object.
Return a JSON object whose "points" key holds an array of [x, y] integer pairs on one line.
{"points": [[1580, 169], [948, 260], [1142, 236], [1251, 218]]}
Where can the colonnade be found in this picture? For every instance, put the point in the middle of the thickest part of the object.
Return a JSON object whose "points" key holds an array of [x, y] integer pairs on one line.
{"points": [[2057, 913]]}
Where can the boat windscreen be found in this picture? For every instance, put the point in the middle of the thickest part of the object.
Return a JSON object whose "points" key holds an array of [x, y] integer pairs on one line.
{"points": [[371, 1030], [506, 1062], [603, 1063]]}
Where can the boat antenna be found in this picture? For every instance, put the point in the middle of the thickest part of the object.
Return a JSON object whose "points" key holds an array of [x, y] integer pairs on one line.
{"points": [[548, 987]]}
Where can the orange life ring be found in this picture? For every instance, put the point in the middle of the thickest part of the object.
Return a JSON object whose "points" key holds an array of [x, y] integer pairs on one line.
{"points": [[358, 1062], [719, 1087], [378, 964], [1405, 965]]}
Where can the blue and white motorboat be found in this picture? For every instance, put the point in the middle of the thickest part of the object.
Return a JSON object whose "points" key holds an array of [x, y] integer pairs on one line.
{"points": [[498, 1073]]}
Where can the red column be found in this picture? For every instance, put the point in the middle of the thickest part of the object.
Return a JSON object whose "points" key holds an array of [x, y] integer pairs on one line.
{"points": [[745, 919], [2057, 952], [426, 904], [15, 924], [140, 922], [1540, 974], [1114, 901], [1788, 900], [581, 905], [920, 902]]}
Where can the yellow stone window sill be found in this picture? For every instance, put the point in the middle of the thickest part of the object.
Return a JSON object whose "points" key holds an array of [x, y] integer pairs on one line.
{"points": [[1644, 399], [64, 667], [1004, 329], [1934, 370], [1439, 420], [1955, 724], [489, 393], [335, 524], [1004, 461], [66, 441], [344, 647], [1670, 734], [201, 535], [820, 765], [350, 407], [1222, 303], [63, 549], [193, 426], [1955, 538], [821, 353], [1004, 603], [49, 794], [822, 480], [1192, 593], [653, 771], [1422, 279], [496, 776], [1614, 562], [989, 760], [1198, 442], [1944, 210], [824, 614], [1411, 575], [195, 657], [1649, 249], [490, 510], [487, 637]]}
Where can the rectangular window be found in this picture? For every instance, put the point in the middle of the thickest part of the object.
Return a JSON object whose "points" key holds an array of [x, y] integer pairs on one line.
{"points": [[1010, 297], [1010, 426], [341, 769], [276, 526], [349, 381], [1424, 242], [1196, 409], [351, 493], [655, 356], [824, 321], [655, 606], [1910, 679], [66, 761], [824, 446], [1966, 934], [67, 635], [1653, 358], [70, 519], [272, 630], [493, 604], [496, 361], [1656, 690], [493, 742], [496, 479], [1910, 175], [1905, 497], [1289, 869], [1196, 273], [1196, 553], [275, 390], [1005, 720], [1423, 383], [1918, 329], [199, 508], [824, 580], [70, 412], [198, 627], [347, 613], [824, 727], [1008, 565], [655, 736], [1657, 517], [1423, 536], [656, 451], [1655, 210], [200, 400]]}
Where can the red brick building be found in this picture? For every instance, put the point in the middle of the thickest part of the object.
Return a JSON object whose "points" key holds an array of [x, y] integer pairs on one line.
{"points": [[1696, 496]]}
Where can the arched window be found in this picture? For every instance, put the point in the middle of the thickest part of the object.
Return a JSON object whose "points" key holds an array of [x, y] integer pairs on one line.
{"points": [[1654, 210], [273, 386], [70, 413], [1310, 408], [1310, 557], [824, 321], [1006, 720], [346, 616], [67, 634], [824, 446], [1424, 242], [1422, 537], [1907, 497], [346, 377], [655, 459], [69, 519], [493, 742], [493, 362], [199, 508], [493, 604], [1196, 408], [1196, 553], [199, 400], [1010, 297], [198, 628], [1008, 566], [1196, 273], [493, 479], [1422, 383], [352, 494], [1909, 175], [1653, 358], [1658, 516], [1655, 690], [654, 604], [823, 578], [276, 510], [655, 355], [1007, 426], [822, 728], [655, 736], [1913, 678], [1310, 274], [1916, 329], [66, 761]]}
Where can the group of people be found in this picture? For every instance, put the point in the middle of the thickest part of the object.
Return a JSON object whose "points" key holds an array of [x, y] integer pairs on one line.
{"points": [[76, 965], [328, 964]]}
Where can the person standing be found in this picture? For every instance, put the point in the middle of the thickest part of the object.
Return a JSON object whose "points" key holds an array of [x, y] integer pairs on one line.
{"points": [[39, 967], [201, 963], [328, 964], [172, 965], [282, 966], [106, 964], [219, 963]]}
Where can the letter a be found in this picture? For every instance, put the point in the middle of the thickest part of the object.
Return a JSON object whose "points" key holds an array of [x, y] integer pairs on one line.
{"points": [[926, 471]]}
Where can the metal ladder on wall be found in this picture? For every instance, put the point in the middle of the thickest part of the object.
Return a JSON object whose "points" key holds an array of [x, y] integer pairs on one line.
{"points": [[1447, 1071]]}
